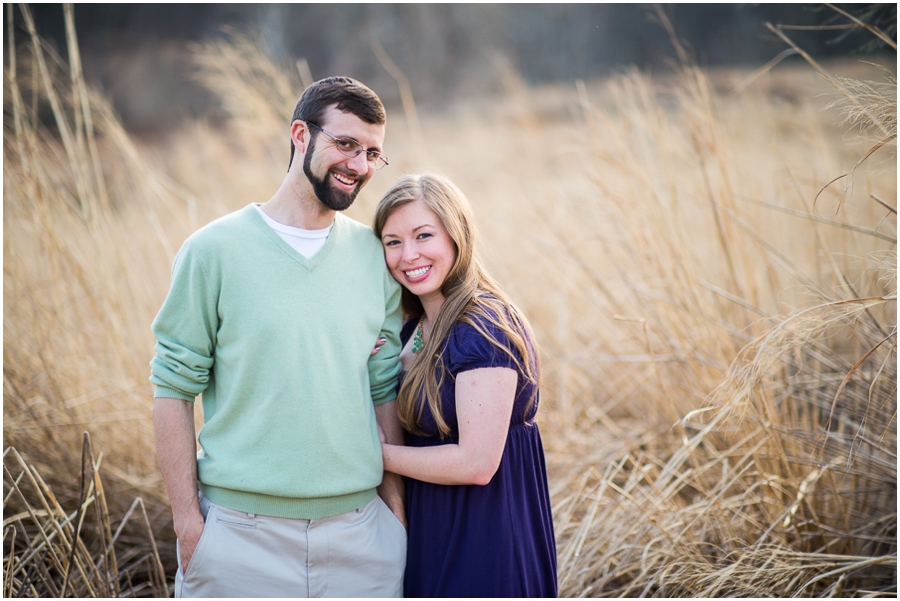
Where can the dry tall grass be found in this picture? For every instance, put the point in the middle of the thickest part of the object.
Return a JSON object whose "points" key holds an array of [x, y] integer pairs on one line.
{"points": [[720, 403]]}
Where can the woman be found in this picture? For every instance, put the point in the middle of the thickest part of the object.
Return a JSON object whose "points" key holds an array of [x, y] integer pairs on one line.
{"points": [[476, 485]]}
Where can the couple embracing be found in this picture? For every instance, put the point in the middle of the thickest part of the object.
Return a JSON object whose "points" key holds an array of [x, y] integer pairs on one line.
{"points": [[327, 467]]}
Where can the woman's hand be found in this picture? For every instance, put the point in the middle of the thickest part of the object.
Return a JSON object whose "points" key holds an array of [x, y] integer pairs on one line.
{"points": [[381, 435], [378, 344]]}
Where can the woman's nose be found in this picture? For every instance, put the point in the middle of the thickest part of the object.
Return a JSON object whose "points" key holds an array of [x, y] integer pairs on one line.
{"points": [[410, 253]]}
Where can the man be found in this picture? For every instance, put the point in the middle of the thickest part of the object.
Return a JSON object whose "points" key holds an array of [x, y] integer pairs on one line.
{"points": [[272, 315]]}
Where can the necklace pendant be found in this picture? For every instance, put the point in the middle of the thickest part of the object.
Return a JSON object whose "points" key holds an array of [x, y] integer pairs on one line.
{"points": [[417, 339]]}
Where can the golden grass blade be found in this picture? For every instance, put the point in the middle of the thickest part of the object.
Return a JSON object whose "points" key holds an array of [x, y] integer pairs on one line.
{"points": [[83, 107], [8, 574], [97, 571], [874, 30], [884, 204], [406, 95], [157, 573], [79, 516], [46, 539], [59, 115], [108, 559], [818, 219], [763, 70], [834, 81], [848, 187], [850, 375]]}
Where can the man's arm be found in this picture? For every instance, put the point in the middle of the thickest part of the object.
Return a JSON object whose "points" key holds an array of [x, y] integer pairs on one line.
{"points": [[176, 451], [392, 491]]}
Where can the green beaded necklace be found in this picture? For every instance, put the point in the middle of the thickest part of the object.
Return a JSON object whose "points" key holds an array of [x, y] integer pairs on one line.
{"points": [[417, 339]]}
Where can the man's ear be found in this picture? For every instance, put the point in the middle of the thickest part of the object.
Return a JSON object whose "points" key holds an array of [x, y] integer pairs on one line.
{"points": [[299, 136]]}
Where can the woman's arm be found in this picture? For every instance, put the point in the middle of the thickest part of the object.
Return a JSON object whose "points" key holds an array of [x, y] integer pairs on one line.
{"points": [[484, 402]]}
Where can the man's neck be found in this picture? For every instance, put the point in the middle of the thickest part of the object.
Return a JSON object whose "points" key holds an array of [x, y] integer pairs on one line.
{"points": [[296, 205]]}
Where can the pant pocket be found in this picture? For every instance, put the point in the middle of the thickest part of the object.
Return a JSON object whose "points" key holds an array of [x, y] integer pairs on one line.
{"points": [[198, 574], [387, 515], [393, 547], [205, 507], [238, 556], [195, 565]]}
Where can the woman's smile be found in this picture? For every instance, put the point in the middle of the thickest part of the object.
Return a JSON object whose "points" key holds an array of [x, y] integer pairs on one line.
{"points": [[418, 274]]}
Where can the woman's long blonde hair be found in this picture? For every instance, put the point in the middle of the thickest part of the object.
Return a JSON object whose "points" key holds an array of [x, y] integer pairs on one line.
{"points": [[470, 296]]}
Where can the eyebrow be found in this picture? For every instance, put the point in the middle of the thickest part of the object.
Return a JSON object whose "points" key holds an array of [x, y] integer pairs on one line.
{"points": [[415, 229]]}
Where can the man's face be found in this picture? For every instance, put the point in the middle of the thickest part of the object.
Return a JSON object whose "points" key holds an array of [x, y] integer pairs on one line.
{"points": [[336, 178]]}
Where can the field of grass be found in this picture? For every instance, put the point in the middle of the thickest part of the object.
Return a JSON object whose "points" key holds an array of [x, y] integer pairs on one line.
{"points": [[718, 325]]}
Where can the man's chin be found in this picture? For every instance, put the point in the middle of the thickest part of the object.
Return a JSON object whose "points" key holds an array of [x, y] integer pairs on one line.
{"points": [[342, 206], [334, 199], [338, 202]]}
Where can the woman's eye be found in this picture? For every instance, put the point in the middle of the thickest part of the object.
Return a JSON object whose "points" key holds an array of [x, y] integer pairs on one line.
{"points": [[392, 243], [423, 235]]}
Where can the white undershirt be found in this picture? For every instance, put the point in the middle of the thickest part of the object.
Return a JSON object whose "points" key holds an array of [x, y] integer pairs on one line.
{"points": [[305, 242]]}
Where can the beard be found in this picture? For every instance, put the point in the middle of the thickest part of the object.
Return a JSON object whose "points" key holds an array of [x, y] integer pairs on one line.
{"points": [[328, 195]]}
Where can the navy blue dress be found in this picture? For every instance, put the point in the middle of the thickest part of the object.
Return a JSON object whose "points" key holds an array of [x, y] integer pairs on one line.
{"points": [[481, 541]]}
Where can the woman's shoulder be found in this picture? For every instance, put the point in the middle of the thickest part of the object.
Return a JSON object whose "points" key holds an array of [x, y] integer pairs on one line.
{"points": [[475, 340], [484, 316]]}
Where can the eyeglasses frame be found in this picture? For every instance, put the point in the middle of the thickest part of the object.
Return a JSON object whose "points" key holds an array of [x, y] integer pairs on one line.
{"points": [[379, 155]]}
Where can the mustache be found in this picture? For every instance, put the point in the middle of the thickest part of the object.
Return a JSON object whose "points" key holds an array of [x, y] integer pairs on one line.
{"points": [[354, 174]]}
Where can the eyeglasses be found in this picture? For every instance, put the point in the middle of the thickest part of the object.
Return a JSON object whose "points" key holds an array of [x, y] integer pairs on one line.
{"points": [[351, 148]]}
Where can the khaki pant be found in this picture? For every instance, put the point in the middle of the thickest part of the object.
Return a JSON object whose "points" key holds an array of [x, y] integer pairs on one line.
{"points": [[360, 553]]}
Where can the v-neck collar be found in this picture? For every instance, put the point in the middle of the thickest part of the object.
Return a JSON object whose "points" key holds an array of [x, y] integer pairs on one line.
{"points": [[310, 263]]}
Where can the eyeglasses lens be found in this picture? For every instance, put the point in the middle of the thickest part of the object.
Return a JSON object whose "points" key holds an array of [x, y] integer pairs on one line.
{"points": [[348, 146], [351, 148]]}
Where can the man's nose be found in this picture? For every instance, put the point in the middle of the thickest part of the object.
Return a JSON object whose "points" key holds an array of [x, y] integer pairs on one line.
{"points": [[359, 163]]}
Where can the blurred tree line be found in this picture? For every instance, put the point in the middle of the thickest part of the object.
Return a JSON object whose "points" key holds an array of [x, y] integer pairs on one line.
{"points": [[138, 54]]}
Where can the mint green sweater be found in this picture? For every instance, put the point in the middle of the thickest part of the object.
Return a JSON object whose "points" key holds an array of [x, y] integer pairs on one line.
{"points": [[279, 345]]}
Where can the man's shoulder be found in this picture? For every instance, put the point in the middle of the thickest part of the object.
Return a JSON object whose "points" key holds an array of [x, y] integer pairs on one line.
{"points": [[353, 225], [356, 232], [223, 228]]}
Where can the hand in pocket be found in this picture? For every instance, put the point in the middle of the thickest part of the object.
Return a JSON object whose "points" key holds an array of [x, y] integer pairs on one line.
{"points": [[188, 540]]}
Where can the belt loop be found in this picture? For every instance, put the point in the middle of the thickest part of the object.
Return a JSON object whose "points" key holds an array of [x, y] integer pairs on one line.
{"points": [[252, 516]]}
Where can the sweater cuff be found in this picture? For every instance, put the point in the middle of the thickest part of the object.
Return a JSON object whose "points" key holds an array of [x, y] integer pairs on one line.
{"points": [[171, 393]]}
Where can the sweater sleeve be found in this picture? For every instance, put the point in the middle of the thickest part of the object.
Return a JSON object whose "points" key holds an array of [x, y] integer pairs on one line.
{"points": [[185, 331], [384, 366]]}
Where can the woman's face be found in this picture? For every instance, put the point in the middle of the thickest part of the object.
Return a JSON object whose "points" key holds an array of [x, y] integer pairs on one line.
{"points": [[418, 250]]}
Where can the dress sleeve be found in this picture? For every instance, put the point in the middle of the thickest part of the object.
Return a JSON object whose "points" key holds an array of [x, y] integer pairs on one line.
{"points": [[467, 348], [185, 331]]}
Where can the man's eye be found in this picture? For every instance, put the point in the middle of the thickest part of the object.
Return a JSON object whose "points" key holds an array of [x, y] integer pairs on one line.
{"points": [[346, 144], [371, 155]]}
